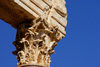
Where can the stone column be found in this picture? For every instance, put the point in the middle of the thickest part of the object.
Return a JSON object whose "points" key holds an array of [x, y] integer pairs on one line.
{"points": [[40, 25], [30, 66], [35, 42]]}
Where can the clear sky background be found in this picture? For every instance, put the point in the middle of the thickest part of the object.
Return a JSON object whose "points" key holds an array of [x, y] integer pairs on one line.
{"points": [[80, 47]]}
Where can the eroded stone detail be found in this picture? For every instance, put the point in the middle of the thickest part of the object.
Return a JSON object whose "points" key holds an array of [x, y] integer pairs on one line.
{"points": [[36, 38], [35, 42]]}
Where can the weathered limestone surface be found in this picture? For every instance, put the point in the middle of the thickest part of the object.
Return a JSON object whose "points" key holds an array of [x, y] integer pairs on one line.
{"points": [[30, 66], [17, 11], [40, 25]]}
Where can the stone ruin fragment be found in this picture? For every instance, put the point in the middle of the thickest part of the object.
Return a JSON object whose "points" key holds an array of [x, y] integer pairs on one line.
{"points": [[40, 25]]}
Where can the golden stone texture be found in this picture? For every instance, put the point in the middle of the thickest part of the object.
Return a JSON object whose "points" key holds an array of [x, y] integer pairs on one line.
{"points": [[40, 25]]}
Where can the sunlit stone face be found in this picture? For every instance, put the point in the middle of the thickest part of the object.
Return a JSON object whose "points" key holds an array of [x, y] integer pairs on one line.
{"points": [[53, 11], [40, 25]]}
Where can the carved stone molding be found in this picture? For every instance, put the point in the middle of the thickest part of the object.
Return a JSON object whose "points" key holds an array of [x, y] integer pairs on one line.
{"points": [[17, 11], [30, 66], [40, 25]]}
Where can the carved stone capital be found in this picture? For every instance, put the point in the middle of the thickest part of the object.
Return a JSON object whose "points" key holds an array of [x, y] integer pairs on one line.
{"points": [[35, 42], [40, 25]]}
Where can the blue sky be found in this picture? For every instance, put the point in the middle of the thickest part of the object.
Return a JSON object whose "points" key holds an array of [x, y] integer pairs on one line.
{"points": [[80, 47]]}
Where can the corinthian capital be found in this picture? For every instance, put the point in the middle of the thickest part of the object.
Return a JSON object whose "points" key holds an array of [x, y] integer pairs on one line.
{"points": [[40, 25]]}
